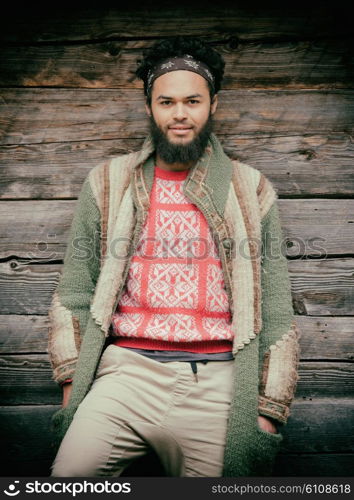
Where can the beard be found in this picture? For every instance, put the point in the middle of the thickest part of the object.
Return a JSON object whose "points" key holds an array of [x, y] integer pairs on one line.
{"points": [[180, 153]]}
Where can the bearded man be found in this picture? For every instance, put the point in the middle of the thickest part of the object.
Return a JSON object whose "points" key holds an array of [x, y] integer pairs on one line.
{"points": [[172, 326]]}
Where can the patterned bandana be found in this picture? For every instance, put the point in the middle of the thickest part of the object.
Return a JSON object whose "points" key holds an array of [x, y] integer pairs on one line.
{"points": [[185, 62]]}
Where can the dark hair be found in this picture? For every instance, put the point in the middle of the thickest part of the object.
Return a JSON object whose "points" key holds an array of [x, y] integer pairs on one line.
{"points": [[179, 46]]}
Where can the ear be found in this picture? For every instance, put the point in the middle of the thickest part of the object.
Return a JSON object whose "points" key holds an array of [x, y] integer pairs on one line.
{"points": [[214, 104], [147, 109]]}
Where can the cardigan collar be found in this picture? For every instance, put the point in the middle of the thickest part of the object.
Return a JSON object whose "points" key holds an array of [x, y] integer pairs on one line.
{"points": [[207, 183]]}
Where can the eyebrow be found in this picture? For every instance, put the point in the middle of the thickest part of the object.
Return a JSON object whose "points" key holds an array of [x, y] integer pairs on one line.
{"points": [[171, 98]]}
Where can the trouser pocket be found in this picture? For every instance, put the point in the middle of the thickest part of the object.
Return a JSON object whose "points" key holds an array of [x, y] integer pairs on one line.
{"points": [[109, 361]]}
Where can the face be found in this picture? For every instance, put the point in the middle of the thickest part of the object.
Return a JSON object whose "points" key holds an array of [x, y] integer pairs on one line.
{"points": [[181, 114]]}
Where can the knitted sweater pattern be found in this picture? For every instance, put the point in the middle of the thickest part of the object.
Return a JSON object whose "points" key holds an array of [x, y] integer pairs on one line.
{"points": [[175, 289]]}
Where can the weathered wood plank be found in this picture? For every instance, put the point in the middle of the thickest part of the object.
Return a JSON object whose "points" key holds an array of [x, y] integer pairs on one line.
{"points": [[322, 338], [52, 115], [313, 64], [26, 439], [23, 334], [293, 162], [328, 338], [39, 229], [315, 465], [57, 170], [317, 427], [26, 288], [311, 227], [325, 380], [157, 19], [44, 225], [27, 379], [304, 435], [320, 287]]}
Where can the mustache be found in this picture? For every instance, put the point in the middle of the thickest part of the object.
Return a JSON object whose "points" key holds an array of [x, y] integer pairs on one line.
{"points": [[180, 124]]}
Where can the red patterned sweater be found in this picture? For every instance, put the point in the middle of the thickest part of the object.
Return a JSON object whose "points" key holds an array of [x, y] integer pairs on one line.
{"points": [[174, 297]]}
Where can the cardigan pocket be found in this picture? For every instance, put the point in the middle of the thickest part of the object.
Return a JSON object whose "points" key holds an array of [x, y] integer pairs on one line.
{"points": [[268, 445], [60, 422]]}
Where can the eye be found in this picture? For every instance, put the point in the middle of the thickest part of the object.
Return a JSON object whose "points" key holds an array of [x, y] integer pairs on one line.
{"points": [[193, 101], [165, 103]]}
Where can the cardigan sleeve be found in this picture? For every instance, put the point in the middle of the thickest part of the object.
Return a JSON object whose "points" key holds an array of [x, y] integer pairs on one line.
{"points": [[70, 306], [279, 346]]}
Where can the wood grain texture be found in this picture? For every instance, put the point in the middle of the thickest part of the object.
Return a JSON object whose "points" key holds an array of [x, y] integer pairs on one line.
{"points": [[323, 286], [56, 115], [159, 19], [291, 65], [320, 287], [317, 227], [317, 426], [27, 379], [312, 227], [318, 435], [57, 170], [23, 334], [322, 338], [316, 464], [327, 337], [27, 288]]}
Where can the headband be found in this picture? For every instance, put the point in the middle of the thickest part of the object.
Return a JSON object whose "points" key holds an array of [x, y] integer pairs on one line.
{"points": [[185, 62]]}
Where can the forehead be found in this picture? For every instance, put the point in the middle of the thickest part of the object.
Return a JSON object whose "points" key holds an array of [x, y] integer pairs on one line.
{"points": [[179, 84]]}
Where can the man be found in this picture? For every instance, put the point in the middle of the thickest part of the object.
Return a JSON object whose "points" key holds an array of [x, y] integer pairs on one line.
{"points": [[172, 325]]}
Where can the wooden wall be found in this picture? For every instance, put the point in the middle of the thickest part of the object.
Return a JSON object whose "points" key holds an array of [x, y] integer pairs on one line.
{"points": [[69, 99]]}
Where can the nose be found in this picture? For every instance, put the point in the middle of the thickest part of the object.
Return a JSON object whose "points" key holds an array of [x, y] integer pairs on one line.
{"points": [[179, 112]]}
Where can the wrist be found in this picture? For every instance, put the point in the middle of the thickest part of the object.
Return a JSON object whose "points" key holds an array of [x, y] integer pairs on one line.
{"points": [[268, 424], [66, 381]]}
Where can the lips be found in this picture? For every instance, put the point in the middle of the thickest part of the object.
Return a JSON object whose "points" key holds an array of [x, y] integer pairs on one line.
{"points": [[178, 127], [180, 130]]}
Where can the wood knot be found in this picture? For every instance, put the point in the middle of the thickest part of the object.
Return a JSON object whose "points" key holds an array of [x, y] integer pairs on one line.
{"points": [[234, 42], [309, 153], [113, 49]]}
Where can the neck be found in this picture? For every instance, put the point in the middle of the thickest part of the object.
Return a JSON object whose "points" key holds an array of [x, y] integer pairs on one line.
{"points": [[173, 166]]}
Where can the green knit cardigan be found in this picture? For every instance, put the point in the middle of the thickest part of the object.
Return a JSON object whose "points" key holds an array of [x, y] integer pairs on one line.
{"points": [[240, 205]]}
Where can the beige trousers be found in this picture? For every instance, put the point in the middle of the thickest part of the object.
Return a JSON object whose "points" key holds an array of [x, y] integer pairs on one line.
{"points": [[137, 403]]}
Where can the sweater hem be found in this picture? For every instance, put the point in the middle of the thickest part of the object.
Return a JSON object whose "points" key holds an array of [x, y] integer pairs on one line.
{"points": [[204, 346]]}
